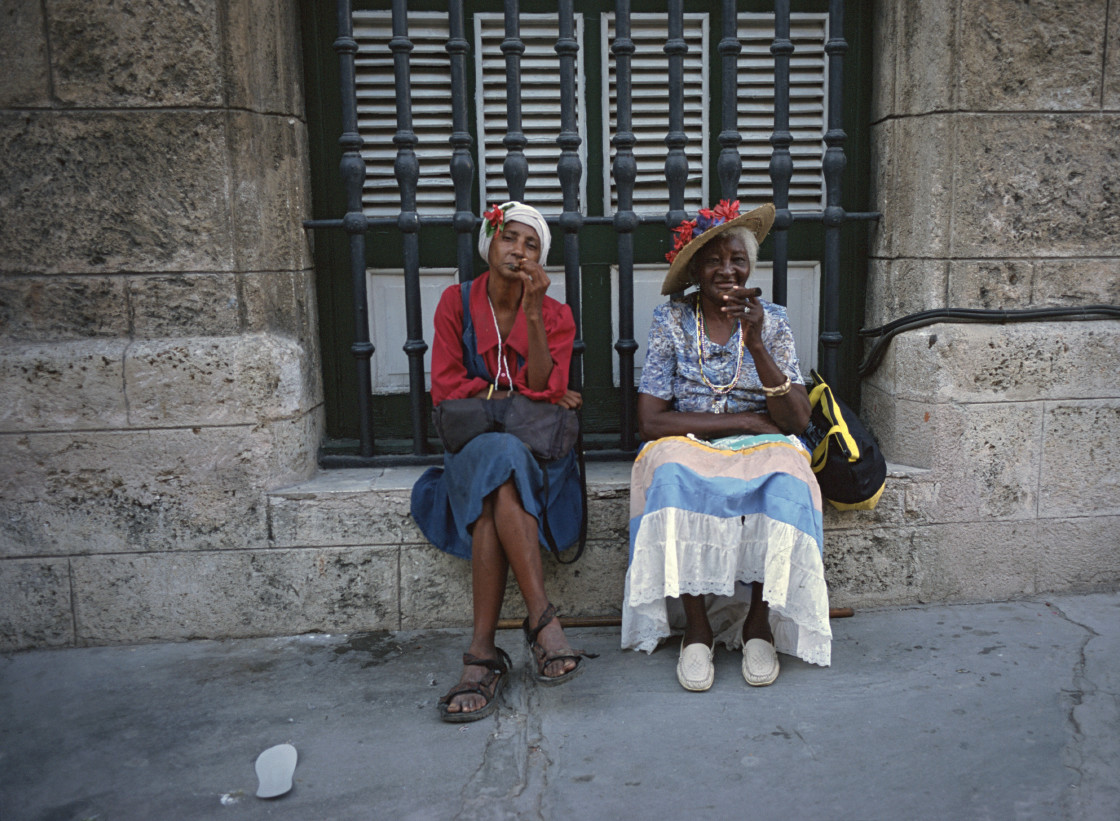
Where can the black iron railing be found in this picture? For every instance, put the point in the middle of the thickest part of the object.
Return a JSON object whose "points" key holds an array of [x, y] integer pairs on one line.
{"points": [[569, 171]]}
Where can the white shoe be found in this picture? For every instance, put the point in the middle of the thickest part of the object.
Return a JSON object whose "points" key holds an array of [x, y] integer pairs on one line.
{"points": [[695, 670], [760, 663]]}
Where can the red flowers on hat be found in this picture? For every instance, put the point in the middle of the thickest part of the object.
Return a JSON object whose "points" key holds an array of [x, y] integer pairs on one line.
{"points": [[706, 218]]}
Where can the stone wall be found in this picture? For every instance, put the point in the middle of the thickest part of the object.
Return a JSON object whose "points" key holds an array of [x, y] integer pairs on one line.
{"points": [[997, 169], [158, 349]]}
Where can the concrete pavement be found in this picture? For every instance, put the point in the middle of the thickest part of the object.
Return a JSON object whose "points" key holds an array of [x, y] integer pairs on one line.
{"points": [[981, 711]]}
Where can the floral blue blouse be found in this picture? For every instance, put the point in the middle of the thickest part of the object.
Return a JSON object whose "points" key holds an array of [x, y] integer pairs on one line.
{"points": [[672, 366]]}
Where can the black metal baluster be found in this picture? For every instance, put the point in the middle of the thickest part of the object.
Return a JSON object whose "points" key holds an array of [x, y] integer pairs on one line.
{"points": [[676, 162], [781, 161], [516, 167], [730, 164], [569, 169], [462, 165], [353, 170], [407, 169], [625, 220], [834, 162]]}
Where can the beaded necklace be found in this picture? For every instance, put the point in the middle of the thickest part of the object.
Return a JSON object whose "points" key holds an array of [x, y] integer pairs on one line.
{"points": [[503, 363], [701, 335]]}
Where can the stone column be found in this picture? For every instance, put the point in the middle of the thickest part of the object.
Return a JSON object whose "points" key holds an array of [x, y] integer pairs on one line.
{"points": [[158, 343], [997, 169]]}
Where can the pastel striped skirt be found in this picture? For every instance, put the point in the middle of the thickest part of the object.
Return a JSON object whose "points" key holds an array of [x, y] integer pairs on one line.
{"points": [[708, 518]]}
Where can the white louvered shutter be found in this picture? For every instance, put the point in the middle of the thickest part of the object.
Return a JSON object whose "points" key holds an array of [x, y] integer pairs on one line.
{"points": [[431, 111], [540, 109], [808, 32], [649, 74]]}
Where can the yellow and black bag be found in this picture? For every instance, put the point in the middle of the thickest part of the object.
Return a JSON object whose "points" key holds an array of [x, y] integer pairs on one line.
{"points": [[846, 459]]}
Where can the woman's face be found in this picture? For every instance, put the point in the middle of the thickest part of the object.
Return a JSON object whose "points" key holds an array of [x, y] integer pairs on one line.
{"points": [[721, 265], [513, 242]]}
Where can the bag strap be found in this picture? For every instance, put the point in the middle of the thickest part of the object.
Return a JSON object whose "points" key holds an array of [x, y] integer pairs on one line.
{"points": [[549, 538], [822, 396], [472, 359]]}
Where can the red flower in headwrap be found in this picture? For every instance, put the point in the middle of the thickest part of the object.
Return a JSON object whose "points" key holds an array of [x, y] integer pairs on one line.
{"points": [[727, 210], [494, 217]]}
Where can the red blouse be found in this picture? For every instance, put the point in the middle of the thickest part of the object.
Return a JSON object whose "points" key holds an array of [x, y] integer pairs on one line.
{"points": [[449, 374]]}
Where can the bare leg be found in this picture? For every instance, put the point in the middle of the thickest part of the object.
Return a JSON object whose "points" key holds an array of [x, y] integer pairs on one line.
{"points": [[697, 629], [489, 570], [757, 625], [517, 534]]}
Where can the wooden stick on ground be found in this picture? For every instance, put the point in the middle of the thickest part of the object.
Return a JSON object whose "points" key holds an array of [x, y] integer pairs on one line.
{"points": [[616, 621]]}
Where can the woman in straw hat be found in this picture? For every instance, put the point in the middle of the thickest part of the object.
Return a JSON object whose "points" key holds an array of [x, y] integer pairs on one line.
{"points": [[725, 512], [496, 335]]}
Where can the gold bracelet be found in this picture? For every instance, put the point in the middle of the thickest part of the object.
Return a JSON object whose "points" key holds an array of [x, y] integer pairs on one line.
{"points": [[781, 390]]}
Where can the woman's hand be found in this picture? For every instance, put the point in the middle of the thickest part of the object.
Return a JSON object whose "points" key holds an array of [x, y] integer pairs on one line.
{"points": [[742, 303], [572, 400], [535, 285], [656, 418]]}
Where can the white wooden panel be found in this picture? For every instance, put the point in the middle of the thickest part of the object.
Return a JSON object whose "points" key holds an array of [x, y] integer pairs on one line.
{"points": [[388, 329], [803, 287]]}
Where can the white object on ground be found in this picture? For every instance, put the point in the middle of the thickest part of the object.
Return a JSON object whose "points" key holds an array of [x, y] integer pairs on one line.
{"points": [[275, 767]]}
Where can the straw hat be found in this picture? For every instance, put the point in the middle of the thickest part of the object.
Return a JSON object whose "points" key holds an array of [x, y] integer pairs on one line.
{"points": [[692, 235]]}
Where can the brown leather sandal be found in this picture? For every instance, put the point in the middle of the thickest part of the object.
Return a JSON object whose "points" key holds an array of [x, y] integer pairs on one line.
{"points": [[544, 658], [489, 687]]}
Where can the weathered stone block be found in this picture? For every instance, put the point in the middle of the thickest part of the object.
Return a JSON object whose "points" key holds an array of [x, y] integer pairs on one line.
{"points": [[70, 385], [144, 490], [1076, 282], [293, 448], [1014, 362], [1003, 283], [885, 24], [23, 60], [1037, 185], [902, 427], [280, 302], [980, 561], [872, 566], [261, 51], [216, 380], [1081, 459], [1079, 553], [238, 593], [60, 308], [35, 604], [985, 471], [140, 53], [271, 192], [593, 586], [343, 518], [184, 305], [95, 192], [1111, 95], [1042, 55], [925, 59], [916, 196], [899, 287], [435, 589]]}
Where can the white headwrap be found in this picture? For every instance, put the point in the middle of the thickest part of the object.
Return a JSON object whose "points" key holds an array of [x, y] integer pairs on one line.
{"points": [[515, 212]]}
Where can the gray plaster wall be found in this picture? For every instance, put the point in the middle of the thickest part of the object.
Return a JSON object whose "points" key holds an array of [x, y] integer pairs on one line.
{"points": [[997, 170], [158, 342]]}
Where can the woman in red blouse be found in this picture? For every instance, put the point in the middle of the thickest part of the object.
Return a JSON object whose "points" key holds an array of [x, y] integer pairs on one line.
{"points": [[486, 502]]}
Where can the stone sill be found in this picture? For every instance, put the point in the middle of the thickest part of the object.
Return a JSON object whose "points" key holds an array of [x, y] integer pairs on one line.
{"points": [[601, 476]]}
